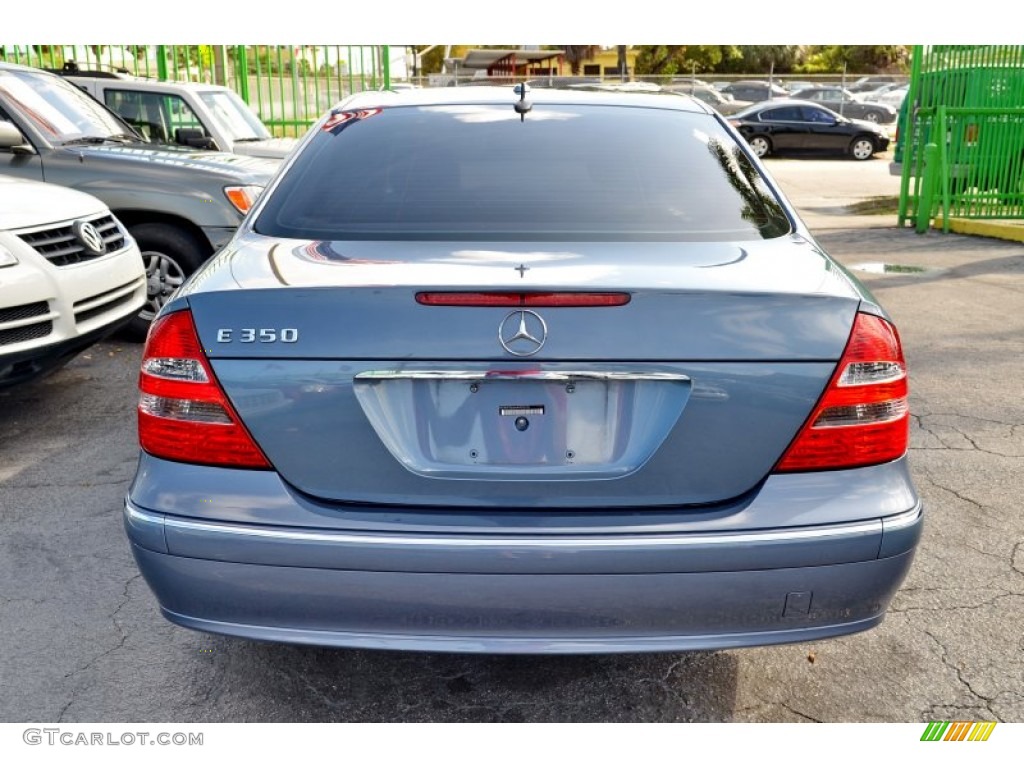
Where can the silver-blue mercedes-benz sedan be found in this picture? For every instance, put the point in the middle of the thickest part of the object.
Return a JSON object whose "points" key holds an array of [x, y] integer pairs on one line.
{"points": [[512, 371]]}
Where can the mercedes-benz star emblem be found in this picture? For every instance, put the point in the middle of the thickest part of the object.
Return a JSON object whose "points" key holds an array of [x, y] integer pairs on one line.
{"points": [[90, 237], [522, 333]]}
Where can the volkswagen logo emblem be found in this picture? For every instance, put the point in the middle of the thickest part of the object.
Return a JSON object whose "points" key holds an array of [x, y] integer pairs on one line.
{"points": [[522, 333], [90, 237]]}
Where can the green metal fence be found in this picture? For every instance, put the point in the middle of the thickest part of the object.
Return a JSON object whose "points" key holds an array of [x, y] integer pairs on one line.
{"points": [[289, 86], [962, 135]]}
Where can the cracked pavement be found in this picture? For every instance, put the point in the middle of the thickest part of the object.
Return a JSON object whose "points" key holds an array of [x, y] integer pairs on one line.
{"points": [[83, 640]]}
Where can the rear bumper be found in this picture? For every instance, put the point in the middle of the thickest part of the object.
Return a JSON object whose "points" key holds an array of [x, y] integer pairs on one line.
{"points": [[554, 594]]}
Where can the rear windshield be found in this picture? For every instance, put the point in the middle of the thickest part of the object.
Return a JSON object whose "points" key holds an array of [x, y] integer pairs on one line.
{"points": [[565, 172]]}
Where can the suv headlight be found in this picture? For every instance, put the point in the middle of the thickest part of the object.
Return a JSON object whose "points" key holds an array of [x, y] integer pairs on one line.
{"points": [[7, 259], [243, 197]]}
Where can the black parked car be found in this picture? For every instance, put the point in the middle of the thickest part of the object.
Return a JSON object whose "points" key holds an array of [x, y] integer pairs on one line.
{"points": [[802, 126], [845, 103]]}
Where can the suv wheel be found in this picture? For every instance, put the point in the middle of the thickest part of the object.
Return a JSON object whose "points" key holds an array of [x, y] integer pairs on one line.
{"points": [[170, 254]]}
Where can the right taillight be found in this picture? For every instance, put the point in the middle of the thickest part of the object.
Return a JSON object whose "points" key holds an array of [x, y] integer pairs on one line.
{"points": [[184, 414], [863, 417]]}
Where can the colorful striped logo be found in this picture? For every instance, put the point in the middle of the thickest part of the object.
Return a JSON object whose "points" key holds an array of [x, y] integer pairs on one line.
{"points": [[957, 731]]}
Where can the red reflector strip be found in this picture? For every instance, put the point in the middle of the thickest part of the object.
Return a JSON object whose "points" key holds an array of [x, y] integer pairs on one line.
{"points": [[504, 299], [848, 447], [226, 445]]}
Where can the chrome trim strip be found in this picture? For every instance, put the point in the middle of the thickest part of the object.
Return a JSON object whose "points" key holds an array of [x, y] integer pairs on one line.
{"points": [[137, 515], [903, 520], [528, 375], [498, 542]]}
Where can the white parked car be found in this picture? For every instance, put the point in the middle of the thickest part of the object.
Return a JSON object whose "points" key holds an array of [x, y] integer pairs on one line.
{"points": [[70, 274]]}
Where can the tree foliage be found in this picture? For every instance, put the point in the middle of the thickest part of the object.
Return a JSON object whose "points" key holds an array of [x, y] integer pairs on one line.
{"points": [[732, 59], [856, 58], [684, 59], [763, 58]]}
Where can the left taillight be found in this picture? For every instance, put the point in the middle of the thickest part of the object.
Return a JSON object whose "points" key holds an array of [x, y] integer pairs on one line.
{"points": [[184, 414], [863, 417]]}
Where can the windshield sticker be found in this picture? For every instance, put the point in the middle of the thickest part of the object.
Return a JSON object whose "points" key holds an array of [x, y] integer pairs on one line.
{"points": [[340, 120]]}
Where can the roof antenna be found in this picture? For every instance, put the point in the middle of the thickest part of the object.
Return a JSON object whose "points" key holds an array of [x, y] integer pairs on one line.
{"points": [[523, 105]]}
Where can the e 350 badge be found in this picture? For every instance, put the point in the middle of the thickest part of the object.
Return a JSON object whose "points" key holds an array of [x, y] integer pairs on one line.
{"points": [[254, 335]]}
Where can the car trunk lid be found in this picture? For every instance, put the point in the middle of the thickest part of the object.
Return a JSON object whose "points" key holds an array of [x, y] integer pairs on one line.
{"points": [[686, 395]]}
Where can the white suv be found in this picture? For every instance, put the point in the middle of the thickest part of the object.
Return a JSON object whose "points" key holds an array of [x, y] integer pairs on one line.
{"points": [[70, 274]]}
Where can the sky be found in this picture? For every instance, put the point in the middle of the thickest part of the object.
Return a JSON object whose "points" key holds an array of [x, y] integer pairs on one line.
{"points": [[323, 22]]}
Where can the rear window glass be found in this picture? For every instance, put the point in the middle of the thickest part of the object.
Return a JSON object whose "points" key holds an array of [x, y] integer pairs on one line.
{"points": [[565, 172]]}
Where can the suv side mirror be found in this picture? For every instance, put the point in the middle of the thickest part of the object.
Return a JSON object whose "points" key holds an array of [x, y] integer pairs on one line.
{"points": [[11, 138], [193, 137]]}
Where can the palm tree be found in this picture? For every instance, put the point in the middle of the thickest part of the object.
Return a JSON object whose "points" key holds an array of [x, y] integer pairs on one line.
{"points": [[577, 54]]}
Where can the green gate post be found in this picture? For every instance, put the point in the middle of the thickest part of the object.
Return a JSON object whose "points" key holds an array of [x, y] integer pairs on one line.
{"points": [[242, 72], [385, 53], [161, 62], [909, 145], [943, 169], [924, 204]]}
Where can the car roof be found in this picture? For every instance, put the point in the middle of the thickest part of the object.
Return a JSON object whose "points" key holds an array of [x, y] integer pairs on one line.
{"points": [[753, 84], [119, 79], [763, 105], [21, 67], [127, 82], [686, 90], [489, 94]]}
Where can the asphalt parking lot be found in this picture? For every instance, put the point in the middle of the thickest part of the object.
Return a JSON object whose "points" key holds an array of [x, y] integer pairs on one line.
{"points": [[83, 640]]}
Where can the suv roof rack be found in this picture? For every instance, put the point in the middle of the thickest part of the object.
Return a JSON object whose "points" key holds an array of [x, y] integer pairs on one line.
{"points": [[71, 68]]}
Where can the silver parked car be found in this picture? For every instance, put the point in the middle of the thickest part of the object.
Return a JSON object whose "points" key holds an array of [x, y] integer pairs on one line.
{"points": [[721, 102], [848, 104], [194, 115], [179, 205], [548, 372]]}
